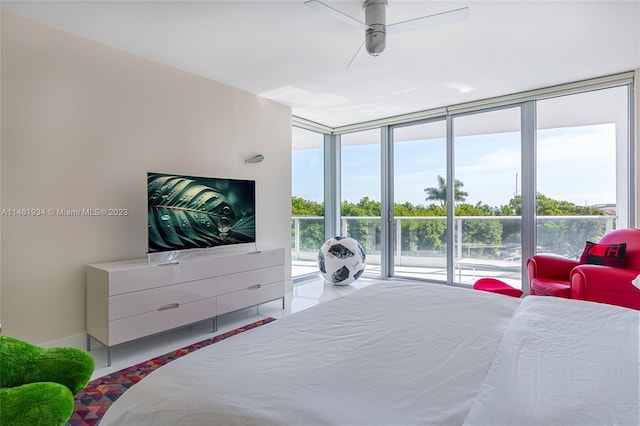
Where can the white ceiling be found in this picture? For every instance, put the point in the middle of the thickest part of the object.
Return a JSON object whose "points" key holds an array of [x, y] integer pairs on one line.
{"points": [[291, 53]]}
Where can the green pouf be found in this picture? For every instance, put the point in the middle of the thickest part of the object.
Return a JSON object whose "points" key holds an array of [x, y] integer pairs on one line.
{"points": [[22, 363], [46, 404], [37, 384]]}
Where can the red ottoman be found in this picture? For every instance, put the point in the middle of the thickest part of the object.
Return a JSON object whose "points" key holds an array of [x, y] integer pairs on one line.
{"points": [[496, 286]]}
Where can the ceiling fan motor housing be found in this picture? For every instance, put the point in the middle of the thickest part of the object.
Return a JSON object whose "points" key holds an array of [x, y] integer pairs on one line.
{"points": [[375, 13]]}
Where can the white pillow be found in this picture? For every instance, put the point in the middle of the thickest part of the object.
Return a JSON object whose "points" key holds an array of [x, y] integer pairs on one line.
{"points": [[636, 282]]}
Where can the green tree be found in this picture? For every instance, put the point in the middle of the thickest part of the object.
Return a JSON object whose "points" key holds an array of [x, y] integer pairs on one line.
{"points": [[546, 206], [480, 231], [311, 230], [568, 235], [428, 235], [421, 235], [439, 193], [366, 231], [302, 207]]}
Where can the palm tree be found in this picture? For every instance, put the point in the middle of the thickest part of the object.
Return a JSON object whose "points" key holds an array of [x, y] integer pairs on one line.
{"points": [[440, 193]]}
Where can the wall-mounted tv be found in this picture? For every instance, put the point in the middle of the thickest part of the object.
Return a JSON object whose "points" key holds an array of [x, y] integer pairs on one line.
{"points": [[188, 212]]}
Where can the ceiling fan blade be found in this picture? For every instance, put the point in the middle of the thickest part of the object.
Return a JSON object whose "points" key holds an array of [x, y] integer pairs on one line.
{"points": [[325, 8], [356, 54], [451, 16]]}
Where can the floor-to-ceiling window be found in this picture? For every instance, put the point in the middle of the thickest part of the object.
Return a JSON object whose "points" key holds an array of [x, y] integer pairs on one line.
{"points": [[360, 193], [486, 224], [539, 172], [307, 200], [581, 173], [419, 227]]}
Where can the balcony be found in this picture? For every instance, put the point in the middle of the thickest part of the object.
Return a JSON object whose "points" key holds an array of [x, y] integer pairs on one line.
{"points": [[484, 246]]}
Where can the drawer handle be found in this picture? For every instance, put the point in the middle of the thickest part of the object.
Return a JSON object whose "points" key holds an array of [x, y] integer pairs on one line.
{"points": [[254, 287], [169, 306]]}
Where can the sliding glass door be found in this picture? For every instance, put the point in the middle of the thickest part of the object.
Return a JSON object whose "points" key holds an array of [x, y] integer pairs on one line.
{"points": [[307, 200], [486, 220], [360, 193], [419, 227], [582, 178]]}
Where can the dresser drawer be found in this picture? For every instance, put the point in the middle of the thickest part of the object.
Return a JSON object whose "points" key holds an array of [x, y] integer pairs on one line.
{"points": [[129, 304], [247, 261], [134, 327], [244, 280], [142, 278], [249, 297], [152, 276]]}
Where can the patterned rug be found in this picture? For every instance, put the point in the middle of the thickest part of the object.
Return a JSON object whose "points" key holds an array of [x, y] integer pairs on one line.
{"points": [[93, 401]]}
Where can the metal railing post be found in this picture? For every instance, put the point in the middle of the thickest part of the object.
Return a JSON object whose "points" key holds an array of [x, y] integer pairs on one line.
{"points": [[609, 224], [297, 237], [398, 223]]}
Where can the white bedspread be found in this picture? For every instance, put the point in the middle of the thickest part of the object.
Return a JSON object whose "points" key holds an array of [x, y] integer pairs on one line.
{"points": [[564, 362], [403, 354], [389, 354]]}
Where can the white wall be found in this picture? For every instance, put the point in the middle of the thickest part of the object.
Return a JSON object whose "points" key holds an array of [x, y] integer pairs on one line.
{"points": [[82, 123]]}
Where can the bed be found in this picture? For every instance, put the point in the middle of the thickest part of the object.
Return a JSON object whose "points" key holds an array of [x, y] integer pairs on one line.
{"points": [[399, 353]]}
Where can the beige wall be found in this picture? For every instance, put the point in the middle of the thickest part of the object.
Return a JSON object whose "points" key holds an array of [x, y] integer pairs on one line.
{"points": [[82, 123]]}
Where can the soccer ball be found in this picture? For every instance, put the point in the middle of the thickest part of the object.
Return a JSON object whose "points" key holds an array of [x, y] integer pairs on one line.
{"points": [[341, 260]]}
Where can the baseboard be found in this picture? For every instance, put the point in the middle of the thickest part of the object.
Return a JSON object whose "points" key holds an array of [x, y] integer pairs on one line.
{"points": [[76, 341]]}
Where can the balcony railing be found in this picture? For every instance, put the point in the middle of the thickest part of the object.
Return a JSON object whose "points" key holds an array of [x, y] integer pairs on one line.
{"points": [[483, 245]]}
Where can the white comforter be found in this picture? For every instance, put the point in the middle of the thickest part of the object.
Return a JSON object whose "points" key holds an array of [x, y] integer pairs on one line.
{"points": [[389, 354], [564, 362], [403, 354]]}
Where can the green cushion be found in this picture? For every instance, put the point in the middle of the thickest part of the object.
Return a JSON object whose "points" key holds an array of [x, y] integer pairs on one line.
{"points": [[22, 363], [34, 404], [37, 384]]}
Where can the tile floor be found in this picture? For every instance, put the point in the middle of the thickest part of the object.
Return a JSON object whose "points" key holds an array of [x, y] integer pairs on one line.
{"points": [[304, 294]]}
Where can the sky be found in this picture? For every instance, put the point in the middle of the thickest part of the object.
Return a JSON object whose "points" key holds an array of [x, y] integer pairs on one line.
{"points": [[575, 164]]}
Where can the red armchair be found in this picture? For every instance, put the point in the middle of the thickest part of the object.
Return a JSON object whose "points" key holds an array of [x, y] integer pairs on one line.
{"points": [[562, 277]]}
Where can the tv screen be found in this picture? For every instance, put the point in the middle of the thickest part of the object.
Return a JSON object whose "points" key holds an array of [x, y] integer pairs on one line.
{"points": [[187, 212]]}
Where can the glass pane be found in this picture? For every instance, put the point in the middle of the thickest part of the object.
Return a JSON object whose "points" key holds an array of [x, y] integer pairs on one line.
{"points": [[487, 234], [307, 200], [420, 224], [580, 138], [360, 192]]}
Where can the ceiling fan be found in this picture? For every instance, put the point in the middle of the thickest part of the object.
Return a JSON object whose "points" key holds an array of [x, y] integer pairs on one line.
{"points": [[375, 27]]}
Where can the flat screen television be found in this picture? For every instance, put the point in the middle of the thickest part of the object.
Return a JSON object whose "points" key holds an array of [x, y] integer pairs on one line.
{"points": [[191, 212]]}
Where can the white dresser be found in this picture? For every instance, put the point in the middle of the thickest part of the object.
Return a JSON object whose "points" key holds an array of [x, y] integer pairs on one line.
{"points": [[128, 300]]}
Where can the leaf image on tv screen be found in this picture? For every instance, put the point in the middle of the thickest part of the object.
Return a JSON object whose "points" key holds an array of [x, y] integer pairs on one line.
{"points": [[198, 212]]}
